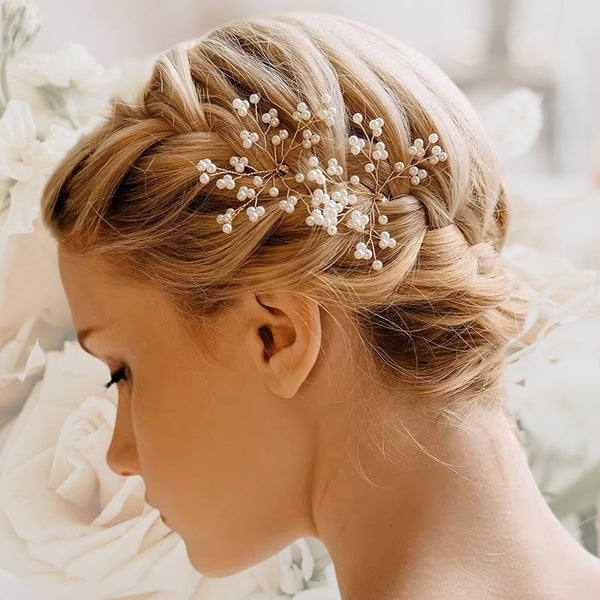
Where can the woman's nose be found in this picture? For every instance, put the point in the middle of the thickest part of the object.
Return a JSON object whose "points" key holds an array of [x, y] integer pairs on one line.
{"points": [[122, 455]]}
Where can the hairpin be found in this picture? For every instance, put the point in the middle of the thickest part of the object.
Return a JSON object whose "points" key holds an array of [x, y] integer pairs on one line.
{"points": [[325, 210]]}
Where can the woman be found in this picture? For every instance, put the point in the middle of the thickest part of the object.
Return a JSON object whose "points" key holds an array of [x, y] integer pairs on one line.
{"points": [[328, 363]]}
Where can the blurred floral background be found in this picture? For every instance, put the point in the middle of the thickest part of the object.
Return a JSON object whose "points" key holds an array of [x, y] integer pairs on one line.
{"points": [[72, 528]]}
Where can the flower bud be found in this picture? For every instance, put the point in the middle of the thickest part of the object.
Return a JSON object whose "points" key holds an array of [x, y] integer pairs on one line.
{"points": [[21, 21]]}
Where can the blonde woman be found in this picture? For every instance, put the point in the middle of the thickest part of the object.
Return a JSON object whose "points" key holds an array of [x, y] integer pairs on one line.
{"points": [[308, 330]]}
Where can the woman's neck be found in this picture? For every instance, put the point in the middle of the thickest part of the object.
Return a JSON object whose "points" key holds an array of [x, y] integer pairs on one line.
{"points": [[478, 529]]}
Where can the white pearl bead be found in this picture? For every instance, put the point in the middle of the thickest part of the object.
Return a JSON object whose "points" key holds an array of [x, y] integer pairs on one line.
{"points": [[377, 264], [273, 191], [226, 228]]}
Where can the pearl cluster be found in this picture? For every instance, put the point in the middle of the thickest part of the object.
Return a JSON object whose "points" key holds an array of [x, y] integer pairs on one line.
{"points": [[327, 207]]}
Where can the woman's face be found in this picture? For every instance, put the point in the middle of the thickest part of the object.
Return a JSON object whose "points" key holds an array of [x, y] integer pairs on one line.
{"points": [[212, 421]]}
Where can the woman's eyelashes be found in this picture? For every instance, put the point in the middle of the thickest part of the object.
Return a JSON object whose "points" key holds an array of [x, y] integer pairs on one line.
{"points": [[116, 377]]}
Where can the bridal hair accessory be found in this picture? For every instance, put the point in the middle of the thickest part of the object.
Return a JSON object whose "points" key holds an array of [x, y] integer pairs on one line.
{"points": [[326, 209]]}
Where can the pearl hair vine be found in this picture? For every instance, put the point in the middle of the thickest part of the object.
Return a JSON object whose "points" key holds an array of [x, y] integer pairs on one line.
{"points": [[326, 209]]}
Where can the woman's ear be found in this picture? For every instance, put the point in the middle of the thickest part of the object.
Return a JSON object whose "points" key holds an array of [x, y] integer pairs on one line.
{"points": [[289, 330]]}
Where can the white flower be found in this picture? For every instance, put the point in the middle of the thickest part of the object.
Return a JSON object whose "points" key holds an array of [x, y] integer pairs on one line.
{"points": [[17, 133], [25, 164], [302, 570], [514, 122], [20, 23], [553, 371], [40, 158], [71, 65], [68, 79]]}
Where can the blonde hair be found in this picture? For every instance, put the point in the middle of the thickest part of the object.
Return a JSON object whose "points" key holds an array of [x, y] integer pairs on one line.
{"points": [[435, 320]]}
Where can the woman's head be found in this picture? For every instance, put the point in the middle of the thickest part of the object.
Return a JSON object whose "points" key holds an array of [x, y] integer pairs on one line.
{"points": [[283, 321]]}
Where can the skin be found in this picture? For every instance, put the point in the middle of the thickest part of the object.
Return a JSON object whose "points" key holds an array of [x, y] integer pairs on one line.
{"points": [[242, 446]]}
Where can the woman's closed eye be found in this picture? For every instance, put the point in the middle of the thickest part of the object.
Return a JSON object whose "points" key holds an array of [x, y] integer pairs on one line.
{"points": [[116, 377]]}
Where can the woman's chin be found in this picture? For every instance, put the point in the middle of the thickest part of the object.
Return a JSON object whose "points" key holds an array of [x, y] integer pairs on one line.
{"points": [[209, 565]]}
